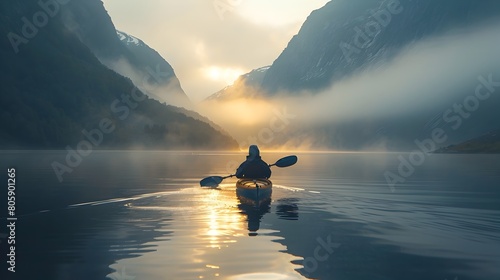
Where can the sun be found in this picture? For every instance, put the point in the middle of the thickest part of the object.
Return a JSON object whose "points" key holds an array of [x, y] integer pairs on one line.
{"points": [[223, 74]]}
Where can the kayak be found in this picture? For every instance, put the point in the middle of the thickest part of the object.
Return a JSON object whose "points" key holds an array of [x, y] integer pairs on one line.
{"points": [[254, 191]]}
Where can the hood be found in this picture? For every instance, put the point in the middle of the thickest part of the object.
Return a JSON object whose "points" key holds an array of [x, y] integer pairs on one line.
{"points": [[253, 152]]}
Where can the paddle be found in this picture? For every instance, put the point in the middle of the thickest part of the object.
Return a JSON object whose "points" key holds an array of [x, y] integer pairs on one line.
{"points": [[214, 181], [285, 162]]}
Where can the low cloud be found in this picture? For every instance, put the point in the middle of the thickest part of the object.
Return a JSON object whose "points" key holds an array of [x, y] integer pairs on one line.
{"points": [[161, 90], [425, 76]]}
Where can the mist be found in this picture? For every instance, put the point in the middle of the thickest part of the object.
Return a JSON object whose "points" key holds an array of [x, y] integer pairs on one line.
{"points": [[196, 37], [426, 74], [433, 73], [167, 91]]}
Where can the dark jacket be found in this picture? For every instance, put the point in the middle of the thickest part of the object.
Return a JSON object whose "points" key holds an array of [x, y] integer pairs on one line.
{"points": [[254, 167]]}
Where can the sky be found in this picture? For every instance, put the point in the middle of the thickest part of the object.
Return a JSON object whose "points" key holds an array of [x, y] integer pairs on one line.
{"points": [[209, 43]]}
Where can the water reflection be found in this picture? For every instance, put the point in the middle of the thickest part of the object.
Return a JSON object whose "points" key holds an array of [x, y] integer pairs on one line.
{"points": [[84, 242], [224, 227], [443, 224], [288, 209], [254, 206], [222, 222]]}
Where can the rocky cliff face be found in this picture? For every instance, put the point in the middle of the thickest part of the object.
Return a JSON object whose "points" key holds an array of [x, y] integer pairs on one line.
{"points": [[148, 62], [123, 53], [347, 36], [347, 43]]}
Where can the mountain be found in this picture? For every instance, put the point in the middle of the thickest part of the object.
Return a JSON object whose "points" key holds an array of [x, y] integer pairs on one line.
{"points": [[169, 88], [55, 93], [347, 36], [247, 85], [488, 143], [356, 74], [123, 53]]}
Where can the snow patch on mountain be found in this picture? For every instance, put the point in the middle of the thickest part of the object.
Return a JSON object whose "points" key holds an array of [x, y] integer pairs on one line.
{"points": [[129, 39], [263, 69]]}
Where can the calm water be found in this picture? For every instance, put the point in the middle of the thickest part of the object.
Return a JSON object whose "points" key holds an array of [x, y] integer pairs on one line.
{"points": [[142, 215]]}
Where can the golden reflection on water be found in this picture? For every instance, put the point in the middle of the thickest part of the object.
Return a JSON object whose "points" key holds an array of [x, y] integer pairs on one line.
{"points": [[224, 222], [213, 237], [234, 250]]}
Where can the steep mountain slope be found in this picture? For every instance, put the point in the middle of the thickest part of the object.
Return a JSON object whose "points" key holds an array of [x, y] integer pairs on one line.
{"points": [[346, 36], [382, 74], [54, 92], [126, 55], [247, 85], [169, 88]]}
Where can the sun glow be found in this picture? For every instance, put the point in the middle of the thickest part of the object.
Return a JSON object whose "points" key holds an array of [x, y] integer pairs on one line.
{"points": [[243, 112], [223, 74]]}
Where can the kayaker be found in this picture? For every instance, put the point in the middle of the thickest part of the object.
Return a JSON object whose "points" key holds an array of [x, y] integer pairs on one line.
{"points": [[254, 167]]}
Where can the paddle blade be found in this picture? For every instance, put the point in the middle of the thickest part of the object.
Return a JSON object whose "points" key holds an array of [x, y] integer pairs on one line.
{"points": [[286, 161], [213, 181]]}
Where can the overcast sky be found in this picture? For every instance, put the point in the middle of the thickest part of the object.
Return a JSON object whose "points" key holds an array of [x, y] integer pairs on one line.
{"points": [[209, 43]]}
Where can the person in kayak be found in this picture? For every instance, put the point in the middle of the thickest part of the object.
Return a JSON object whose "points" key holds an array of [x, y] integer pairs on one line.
{"points": [[254, 167]]}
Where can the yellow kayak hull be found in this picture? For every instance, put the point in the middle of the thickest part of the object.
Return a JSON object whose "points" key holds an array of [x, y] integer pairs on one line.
{"points": [[254, 191]]}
